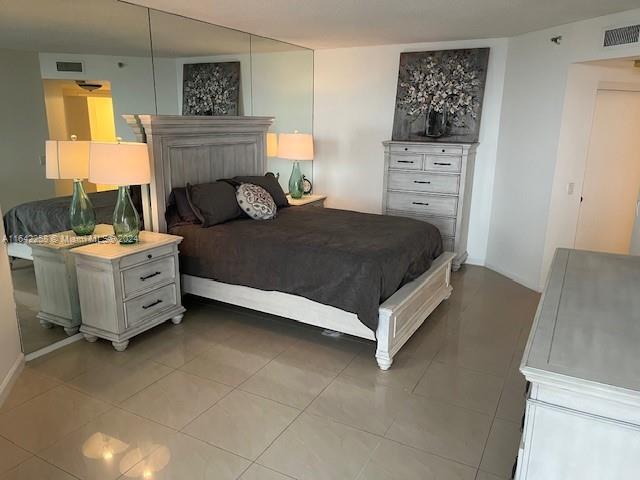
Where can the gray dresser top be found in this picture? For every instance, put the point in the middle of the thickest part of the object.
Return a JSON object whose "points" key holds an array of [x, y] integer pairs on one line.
{"points": [[586, 334]]}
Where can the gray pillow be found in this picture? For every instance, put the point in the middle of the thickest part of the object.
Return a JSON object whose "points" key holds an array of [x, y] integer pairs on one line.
{"points": [[270, 183], [185, 211], [213, 203], [256, 202]]}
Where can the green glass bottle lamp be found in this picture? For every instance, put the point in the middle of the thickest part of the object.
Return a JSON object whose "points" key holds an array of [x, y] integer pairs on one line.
{"points": [[67, 160], [296, 146], [122, 164]]}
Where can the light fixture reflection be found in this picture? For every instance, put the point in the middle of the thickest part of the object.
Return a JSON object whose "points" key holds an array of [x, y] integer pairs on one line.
{"points": [[146, 468], [102, 446]]}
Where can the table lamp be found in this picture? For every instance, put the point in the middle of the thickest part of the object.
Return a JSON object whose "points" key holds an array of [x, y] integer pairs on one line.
{"points": [[272, 144], [296, 146], [69, 160], [121, 164]]}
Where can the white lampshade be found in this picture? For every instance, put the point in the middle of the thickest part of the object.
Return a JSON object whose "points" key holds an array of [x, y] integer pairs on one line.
{"points": [[272, 144], [66, 159], [124, 163], [295, 146]]}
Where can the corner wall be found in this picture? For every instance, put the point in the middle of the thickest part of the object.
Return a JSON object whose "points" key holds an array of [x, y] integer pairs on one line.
{"points": [[354, 101], [534, 93]]}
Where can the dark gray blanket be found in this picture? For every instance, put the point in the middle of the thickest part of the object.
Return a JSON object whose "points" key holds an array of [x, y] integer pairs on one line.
{"points": [[349, 260], [44, 217]]}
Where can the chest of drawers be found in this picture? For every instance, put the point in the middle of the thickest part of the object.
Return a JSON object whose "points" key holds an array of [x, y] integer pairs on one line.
{"points": [[432, 182], [127, 289]]}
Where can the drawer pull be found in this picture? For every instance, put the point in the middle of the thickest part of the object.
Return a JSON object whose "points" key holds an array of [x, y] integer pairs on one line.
{"points": [[152, 304], [151, 275], [420, 203], [442, 164], [149, 256], [405, 161], [406, 149], [422, 181]]}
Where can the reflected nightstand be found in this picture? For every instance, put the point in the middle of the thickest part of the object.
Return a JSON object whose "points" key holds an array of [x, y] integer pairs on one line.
{"points": [[313, 200]]}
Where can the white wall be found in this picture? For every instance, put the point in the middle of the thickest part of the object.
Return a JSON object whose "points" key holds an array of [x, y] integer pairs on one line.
{"points": [[575, 133], [355, 90], [10, 351], [23, 130], [533, 100], [131, 84]]}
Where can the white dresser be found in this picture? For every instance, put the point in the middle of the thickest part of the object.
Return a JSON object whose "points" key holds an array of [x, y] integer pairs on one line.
{"points": [[432, 182], [582, 360]]}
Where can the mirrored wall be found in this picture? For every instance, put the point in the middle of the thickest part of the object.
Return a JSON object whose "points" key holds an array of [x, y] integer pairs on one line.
{"points": [[74, 67]]}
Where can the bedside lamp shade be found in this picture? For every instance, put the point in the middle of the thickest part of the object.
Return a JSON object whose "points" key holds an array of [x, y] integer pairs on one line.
{"points": [[272, 144], [124, 163], [67, 159], [295, 146]]}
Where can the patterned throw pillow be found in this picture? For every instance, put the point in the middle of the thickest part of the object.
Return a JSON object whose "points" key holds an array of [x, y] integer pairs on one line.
{"points": [[256, 202]]}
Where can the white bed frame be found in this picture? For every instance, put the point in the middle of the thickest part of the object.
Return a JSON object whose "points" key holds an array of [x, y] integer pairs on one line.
{"points": [[204, 149]]}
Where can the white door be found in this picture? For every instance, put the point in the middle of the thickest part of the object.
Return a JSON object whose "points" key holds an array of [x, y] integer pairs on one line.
{"points": [[612, 176]]}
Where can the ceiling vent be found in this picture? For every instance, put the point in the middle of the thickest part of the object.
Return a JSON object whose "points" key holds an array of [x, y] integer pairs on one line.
{"points": [[616, 37], [75, 67]]}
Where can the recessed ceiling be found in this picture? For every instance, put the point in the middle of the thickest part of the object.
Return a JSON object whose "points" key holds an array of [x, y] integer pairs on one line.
{"points": [[344, 23]]}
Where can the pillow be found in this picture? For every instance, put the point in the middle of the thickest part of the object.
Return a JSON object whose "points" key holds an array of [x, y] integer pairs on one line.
{"points": [[183, 207], [270, 183], [213, 203], [256, 202]]}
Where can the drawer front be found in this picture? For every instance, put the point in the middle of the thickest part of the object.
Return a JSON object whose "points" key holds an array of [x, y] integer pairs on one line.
{"points": [[148, 275], [145, 256], [422, 204], [423, 182], [446, 225], [150, 304], [443, 163], [426, 148], [405, 162]]}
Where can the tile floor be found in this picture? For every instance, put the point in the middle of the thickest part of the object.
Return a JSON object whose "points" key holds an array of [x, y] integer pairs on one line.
{"points": [[236, 394]]}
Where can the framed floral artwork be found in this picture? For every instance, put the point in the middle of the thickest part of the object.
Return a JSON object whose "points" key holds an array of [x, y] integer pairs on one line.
{"points": [[211, 88], [439, 95]]}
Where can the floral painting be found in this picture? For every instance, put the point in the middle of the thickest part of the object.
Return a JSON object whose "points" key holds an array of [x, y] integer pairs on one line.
{"points": [[439, 96], [211, 88]]}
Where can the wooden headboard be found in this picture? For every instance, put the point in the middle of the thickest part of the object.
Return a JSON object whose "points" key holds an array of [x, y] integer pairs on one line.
{"points": [[196, 150]]}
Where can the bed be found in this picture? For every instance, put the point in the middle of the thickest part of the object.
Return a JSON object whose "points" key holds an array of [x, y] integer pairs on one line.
{"points": [[44, 217], [204, 149]]}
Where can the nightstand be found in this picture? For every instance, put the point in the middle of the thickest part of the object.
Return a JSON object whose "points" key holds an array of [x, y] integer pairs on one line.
{"points": [[55, 272], [313, 200], [127, 289]]}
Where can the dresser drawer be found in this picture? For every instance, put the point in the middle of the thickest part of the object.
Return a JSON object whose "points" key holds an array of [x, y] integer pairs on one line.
{"points": [[443, 163], [145, 256], [148, 275], [407, 148], [405, 161], [442, 149], [423, 182], [422, 204], [145, 306], [446, 225]]}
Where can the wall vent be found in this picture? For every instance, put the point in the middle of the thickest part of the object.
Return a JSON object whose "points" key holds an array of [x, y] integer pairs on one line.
{"points": [[615, 37], [75, 67]]}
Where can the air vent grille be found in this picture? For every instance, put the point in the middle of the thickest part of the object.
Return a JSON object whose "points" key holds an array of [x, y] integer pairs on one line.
{"points": [[69, 67], [622, 36]]}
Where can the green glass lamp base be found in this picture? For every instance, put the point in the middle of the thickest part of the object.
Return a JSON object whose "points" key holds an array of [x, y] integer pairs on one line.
{"points": [[126, 221], [82, 216], [296, 185]]}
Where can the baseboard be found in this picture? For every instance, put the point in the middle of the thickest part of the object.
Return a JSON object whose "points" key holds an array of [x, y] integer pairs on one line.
{"points": [[480, 262], [53, 346], [10, 378], [514, 277]]}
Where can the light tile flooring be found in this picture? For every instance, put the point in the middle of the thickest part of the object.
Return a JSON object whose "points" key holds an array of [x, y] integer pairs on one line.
{"points": [[236, 394]]}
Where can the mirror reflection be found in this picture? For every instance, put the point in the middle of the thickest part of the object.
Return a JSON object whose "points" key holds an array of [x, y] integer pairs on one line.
{"points": [[69, 70]]}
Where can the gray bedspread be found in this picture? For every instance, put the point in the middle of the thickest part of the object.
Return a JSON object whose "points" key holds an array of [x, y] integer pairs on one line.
{"points": [[349, 260], [48, 216]]}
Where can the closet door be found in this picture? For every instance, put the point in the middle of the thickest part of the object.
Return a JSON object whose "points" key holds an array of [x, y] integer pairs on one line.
{"points": [[612, 176]]}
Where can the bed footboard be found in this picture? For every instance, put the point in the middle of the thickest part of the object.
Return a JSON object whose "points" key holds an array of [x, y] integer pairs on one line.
{"points": [[403, 313]]}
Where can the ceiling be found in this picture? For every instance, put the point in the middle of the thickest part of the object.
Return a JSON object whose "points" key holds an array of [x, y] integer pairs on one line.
{"points": [[109, 27], [344, 23]]}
